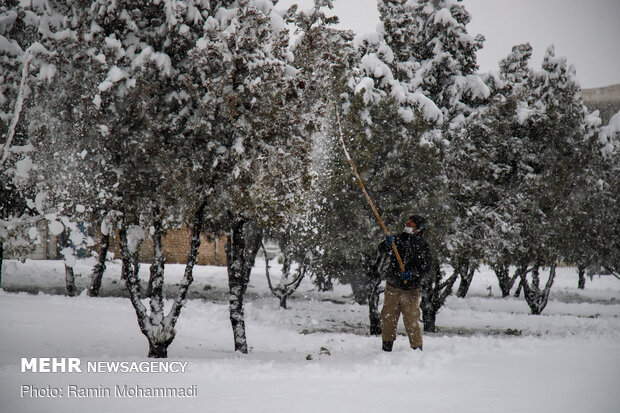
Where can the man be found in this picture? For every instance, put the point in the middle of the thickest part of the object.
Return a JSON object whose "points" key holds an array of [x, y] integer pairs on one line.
{"points": [[402, 289]]}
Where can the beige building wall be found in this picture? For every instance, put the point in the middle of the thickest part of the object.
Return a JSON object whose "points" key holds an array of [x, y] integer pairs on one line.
{"points": [[212, 249], [176, 246]]}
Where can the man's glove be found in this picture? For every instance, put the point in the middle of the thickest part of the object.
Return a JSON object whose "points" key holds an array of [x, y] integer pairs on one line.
{"points": [[406, 276], [389, 240]]}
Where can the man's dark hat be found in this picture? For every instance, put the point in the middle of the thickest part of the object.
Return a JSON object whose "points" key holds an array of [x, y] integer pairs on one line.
{"points": [[421, 223]]}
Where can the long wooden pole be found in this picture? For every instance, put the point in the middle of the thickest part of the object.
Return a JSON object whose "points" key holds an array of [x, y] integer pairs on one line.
{"points": [[361, 184]]}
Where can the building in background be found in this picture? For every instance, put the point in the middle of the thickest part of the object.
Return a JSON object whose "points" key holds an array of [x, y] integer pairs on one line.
{"points": [[212, 249]]}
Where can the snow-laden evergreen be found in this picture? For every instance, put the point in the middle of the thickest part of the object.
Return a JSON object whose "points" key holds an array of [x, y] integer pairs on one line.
{"points": [[257, 146], [519, 169], [23, 63]]}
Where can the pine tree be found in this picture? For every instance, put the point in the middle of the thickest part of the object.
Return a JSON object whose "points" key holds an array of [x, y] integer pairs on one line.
{"points": [[519, 167], [602, 217], [485, 174], [433, 52], [447, 55], [249, 111], [145, 49], [592, 245], [559, 137], [22, 60], [435, 59], [115, 143]]}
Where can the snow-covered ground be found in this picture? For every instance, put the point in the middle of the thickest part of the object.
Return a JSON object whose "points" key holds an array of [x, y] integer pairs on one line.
{"points": [[490, 356]]}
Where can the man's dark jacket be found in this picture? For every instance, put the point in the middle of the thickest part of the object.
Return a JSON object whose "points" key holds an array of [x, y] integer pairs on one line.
{"points": [[416, 256]]}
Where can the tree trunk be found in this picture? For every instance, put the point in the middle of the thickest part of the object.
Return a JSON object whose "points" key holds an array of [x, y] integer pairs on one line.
{"points": [[280, 292], [434, 293], [535, 297], [158, 333], [289, 288], [158, 350], [466, 271], [235, 248], [133, 265], [286, 266], [521, 272], [156, 279], [581, 269], [1, 260], [241, 248], [18, 106], [517, 293], [130, 275], [70, 281], [373, 307], [428, 293], [99, 268], [361, 289], [285, 287], [188, 276], [506, 282], [65, 243], [429, 318]]}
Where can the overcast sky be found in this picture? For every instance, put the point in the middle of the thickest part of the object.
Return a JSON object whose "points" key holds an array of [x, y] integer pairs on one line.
{"points": [[587, 32]]}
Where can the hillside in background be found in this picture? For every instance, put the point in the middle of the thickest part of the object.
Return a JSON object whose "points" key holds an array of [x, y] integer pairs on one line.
{"points": [[605, 99]]}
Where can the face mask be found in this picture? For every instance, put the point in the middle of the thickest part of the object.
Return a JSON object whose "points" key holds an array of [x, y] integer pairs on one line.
{"points": [[409, 230]]}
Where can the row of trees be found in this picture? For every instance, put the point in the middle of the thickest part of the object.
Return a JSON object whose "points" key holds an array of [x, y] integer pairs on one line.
{"points": [[510, 167], [142, 116], [149, 115]]}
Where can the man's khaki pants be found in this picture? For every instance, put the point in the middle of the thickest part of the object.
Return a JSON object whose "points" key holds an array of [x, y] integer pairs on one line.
{"points": [[398, 301]]}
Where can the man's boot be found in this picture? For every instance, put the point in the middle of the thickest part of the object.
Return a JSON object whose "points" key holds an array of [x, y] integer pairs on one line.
{"points": [[387, 345]]}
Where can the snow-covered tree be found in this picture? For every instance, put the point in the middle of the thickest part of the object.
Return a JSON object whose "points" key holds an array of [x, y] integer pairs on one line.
{"points": [[560, 135], [145, 48], [434, 57], [251, 123], [602, 219], [518, 166], [24, 42], [67, 167], [114, 142], [433, 52], [446, 53], [484, 172], [593, 247], [288, 283], [379, 114], [321, 79], [578, 172]]}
